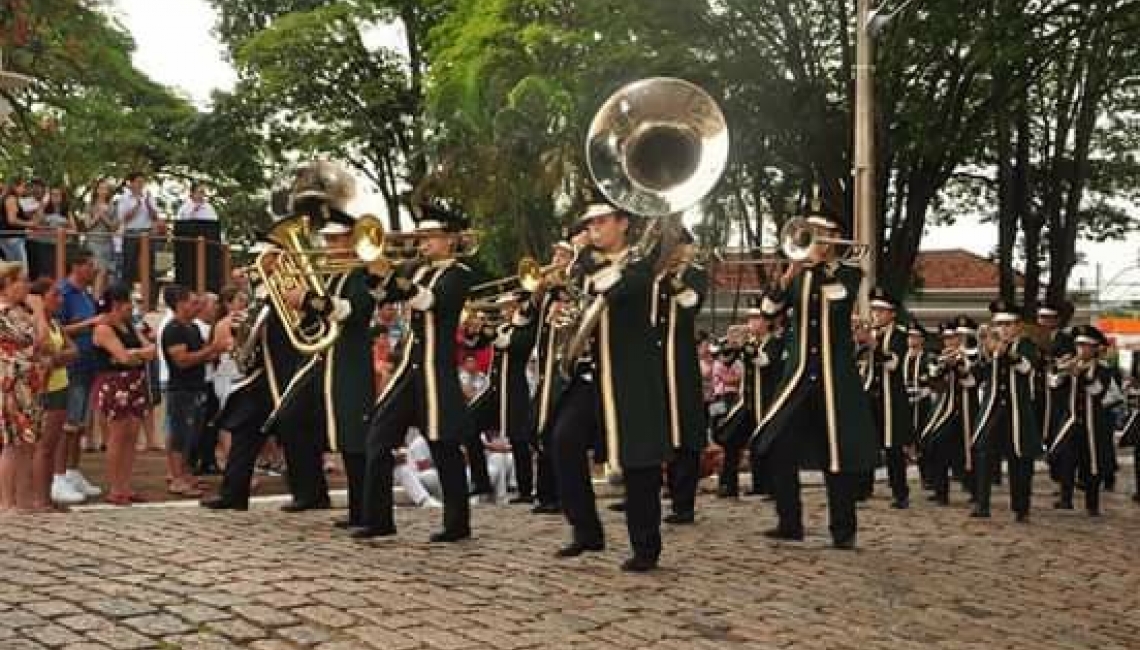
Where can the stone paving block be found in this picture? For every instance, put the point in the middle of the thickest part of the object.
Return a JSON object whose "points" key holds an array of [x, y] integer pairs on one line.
{"points": [[303, 635], [159, 625], [264, 616], [53, 636], [85, 622], [51, 608], [119, 607], [121, 638], [197, 614], [236, 629]]}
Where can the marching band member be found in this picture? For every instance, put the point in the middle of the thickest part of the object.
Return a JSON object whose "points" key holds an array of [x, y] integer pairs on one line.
{"points": [[545, 304], [1008, 424], [1084, 437], [761, 356], [505, 405], [1057, 345], [945, 440], [892, 408], [916, 365], [679, 292], [424, 390], [820, 416], [619, 393], [274, 364], [347, 386]]}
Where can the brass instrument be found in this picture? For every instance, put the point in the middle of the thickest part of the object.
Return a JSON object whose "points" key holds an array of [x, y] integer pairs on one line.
{"points": [[247, 336], [299, 264], [528, 276], [797, 238], [1073, 365], [656, 148]]}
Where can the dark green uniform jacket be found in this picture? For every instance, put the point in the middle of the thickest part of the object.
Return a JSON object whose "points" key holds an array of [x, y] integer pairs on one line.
{"points": [[679, 297], [1083, 417], [1009, 385], [821, 351], [435, 298], [348, 388], [888, 389], [627, 352], [956, 409]]}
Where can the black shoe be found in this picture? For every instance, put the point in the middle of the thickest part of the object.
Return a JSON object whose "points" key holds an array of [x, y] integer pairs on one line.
{"points": [[679, 519], [1022, 518], [845, 543], [980, 513], [788, 535], [547, 509], [1136, 498], [574, 549], [518, 500], [294, 506], [1063, 504], [639, 564], [222, 503], [900, 504], [345, 524], [724, 492], [370, 532], [450, 535], [618, 506], [1094, 512]]}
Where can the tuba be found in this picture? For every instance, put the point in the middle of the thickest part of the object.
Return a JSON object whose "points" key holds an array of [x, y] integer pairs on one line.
{"points": [[656, 148]]}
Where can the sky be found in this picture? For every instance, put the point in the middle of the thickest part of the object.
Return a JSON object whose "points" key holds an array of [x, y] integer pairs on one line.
{"points": [[177, 47]]}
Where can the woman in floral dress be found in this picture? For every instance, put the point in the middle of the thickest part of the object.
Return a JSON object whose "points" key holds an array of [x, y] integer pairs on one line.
{"points": [[21, 383], [121, 392]]}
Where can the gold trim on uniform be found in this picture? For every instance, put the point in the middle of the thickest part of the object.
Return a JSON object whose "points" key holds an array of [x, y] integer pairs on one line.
{"points": [[828, 389], [331, 427], [791, 384]]}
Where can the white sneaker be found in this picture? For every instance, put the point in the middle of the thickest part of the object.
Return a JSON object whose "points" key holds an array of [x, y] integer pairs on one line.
{"points": [[431, 502], [81, 484], [64, 493]]}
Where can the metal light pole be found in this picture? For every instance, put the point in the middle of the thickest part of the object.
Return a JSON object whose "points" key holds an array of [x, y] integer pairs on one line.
{"points": [[863, 170]]}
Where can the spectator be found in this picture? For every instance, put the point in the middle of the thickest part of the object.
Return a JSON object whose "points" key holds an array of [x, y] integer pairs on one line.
{"points": [[59, 352], [204, 461], [101, 224], [15, 224], [187, 356], [79, 317], [55, 214], [197, 219], [474, 339], [413, 468], [120, 390], [138, 215], [21, 383]]}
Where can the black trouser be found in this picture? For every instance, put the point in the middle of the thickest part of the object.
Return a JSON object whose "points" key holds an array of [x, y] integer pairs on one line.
{"points": [[245, 446], [944, 457], [684, 474], [807, 426], [473, 427], [1071, 454], [735, 440], [204, 457], [643, 510], [995, 443], [896, 473], [573, 433], [354, 469], [386, 433], [524, 466], [546, 480], [304, 445]]}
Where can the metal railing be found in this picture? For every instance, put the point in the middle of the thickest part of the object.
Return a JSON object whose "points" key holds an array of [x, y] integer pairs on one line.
{"points": [[65, 241]]}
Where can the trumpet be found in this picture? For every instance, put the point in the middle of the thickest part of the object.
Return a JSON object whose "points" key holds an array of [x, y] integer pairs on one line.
{"points": [[798, 237], [1073, 365]]}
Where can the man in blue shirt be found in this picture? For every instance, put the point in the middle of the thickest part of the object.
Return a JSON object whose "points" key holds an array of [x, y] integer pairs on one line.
{"points": [[78, 315]]}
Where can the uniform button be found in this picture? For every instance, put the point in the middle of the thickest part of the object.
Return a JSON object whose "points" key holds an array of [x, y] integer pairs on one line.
{"points": [[814, 350], [814, 322], [415, 366]]}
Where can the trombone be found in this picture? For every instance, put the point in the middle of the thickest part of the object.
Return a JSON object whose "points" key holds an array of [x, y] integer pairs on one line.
{"points": [[528, 275], [798, 237]]}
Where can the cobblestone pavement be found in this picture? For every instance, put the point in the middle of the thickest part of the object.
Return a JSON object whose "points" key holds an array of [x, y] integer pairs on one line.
{"points": [[929, 577]]}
